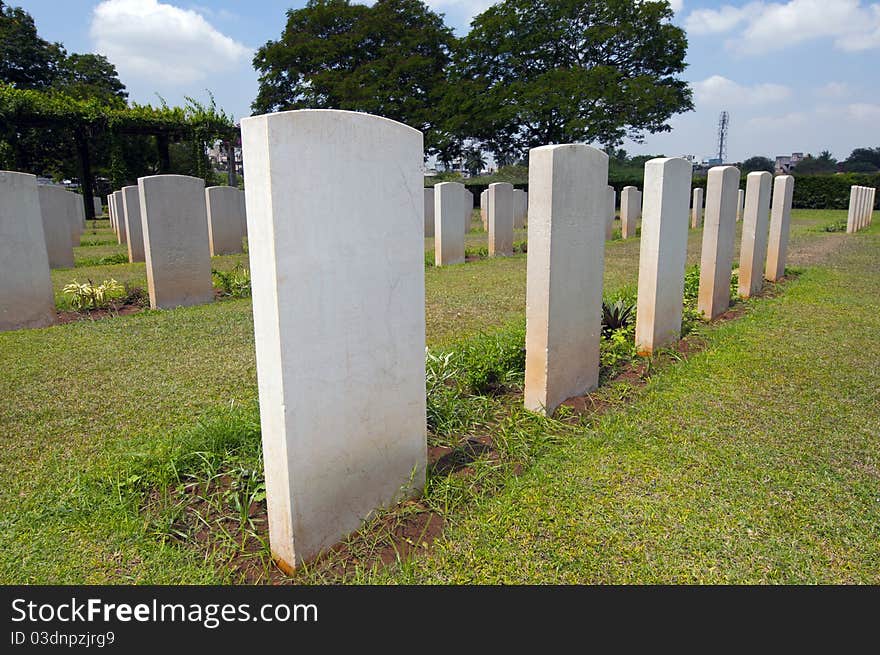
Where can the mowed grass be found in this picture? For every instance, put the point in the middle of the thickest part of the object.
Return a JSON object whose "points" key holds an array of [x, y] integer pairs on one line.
{"points": [[79, 398]]}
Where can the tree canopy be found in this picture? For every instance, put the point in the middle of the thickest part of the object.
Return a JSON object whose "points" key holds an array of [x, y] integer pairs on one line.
{"points": [[527, 74], [388, 59], [758, 163]]}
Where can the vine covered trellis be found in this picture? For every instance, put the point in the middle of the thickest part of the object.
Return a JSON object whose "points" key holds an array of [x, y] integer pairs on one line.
{"points": [[88, 120]]}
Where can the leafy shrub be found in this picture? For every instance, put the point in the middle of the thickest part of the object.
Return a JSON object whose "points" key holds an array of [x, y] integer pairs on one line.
{"points": [[837, 226], [107, 260], [493, 362], [616, 315], [691, 285], [235, 283], [88, 295]]}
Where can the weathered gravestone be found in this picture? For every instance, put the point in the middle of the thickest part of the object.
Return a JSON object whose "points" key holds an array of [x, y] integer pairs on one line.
{"points": [[780, 220], [566, 256], [131, 214], [175, 226], [697, 208], [339, 313], [449, 198], [223, 205], [719, 234], [499, 212], [662, 253], [55, 211], [756, 217], [630, 210], [26, 296], [429, 211], [121, 235]]}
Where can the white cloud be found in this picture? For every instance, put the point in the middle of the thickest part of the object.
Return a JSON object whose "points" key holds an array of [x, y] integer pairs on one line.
{"points": [[718, 91], [862, 111], [769, 26], [776, 123], [162, 43], [833, 90], [676, 5], [714, 21]]}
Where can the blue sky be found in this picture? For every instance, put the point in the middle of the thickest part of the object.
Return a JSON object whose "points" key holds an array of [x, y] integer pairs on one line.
{"points": [[795, 75]]}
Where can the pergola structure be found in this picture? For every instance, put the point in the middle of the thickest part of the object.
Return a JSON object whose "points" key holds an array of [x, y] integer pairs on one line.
{"points": [[86, 119]]}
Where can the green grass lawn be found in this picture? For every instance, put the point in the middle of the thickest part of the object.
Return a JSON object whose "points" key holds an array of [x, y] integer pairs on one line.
{"points": [[756, 460]]}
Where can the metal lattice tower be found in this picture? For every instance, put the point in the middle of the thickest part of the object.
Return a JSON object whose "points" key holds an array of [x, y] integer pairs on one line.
{"points": [[723, 126]]}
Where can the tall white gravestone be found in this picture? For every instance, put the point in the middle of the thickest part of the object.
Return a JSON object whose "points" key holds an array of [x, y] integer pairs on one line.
{"points": [[175, 225], [429, 211], [566, 258], [499, 211], [339, 312], [780, 220], [484, 204], [852, 209], [740, 204], [121, 235], [55, 211], [131, 214], [630, 209], [449, 198], [75, 217], [662, 253], [223, 204], [468, 210], [719, 235], [96, 202], [756, 218], [26, 297], [697, 208], [611, 210]]}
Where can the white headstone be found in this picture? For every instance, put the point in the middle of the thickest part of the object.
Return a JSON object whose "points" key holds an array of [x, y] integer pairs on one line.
{"points": [[566, 257], [662, 253], [780, 219], [740, 204], [99, 210], [499, 211], [175, 225], [468, 210], [26, 297], [610, 209], [852, 212], [55, 210], [131, 214], [719, 234], [223, 204], [630, 209], [121, 235], [484, 204], [449, 198], [756, 218], [429, 211], [343, 318], [697, 208], [519, 209]]}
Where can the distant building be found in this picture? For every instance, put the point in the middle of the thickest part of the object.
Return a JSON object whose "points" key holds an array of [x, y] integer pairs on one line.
{"points": [[785, 163]]}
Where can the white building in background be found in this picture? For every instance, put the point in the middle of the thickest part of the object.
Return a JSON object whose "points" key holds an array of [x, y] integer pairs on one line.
{"points": [[785, 163]]}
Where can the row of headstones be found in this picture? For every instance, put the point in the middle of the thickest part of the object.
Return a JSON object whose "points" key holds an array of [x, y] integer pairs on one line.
{"points": [[861, 208], [562, 342], [175, 225], [39, 226], [164, 220], [339, 304]]}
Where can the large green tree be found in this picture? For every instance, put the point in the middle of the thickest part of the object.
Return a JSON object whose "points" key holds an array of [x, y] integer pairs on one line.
{"points": [[559, 71], [758, 163], [389, 59], [26, 60], [863, 160]]}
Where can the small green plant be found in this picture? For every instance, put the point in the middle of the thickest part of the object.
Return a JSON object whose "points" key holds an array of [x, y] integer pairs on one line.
{"points": [[837, 226], [691, 286], [617, 315], [89, 295], [235, 283]]}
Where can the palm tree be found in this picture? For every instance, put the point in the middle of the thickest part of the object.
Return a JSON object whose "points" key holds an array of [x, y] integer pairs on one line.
{"points": [[474, 161]]}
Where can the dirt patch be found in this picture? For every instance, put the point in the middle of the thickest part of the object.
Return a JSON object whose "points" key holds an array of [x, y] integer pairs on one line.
{"points": [[63, 317], [817, 251]]}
